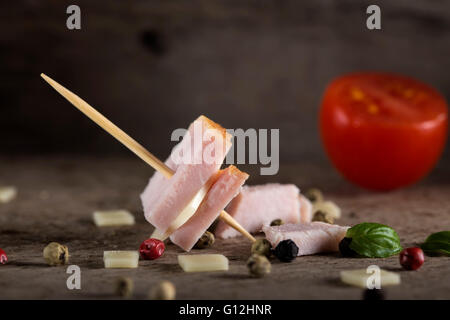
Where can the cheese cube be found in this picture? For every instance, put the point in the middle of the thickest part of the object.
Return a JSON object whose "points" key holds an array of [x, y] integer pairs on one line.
{"points": [[203, 262], [113, 218], [359, 277], [7, 194], [121, 259]]}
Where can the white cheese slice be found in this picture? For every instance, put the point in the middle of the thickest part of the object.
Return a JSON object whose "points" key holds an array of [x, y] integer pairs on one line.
{"points": [[113, 218], [186, 214], [157, 234], [203, 262], [7, 194], [121, 259], [360, 277]]}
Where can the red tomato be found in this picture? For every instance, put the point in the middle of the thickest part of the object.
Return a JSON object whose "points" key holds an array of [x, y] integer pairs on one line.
{"points": [[383, 131]]}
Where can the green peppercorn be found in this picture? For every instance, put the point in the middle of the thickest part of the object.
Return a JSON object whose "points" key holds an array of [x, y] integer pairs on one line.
{"points": [[314, 195], [329, 208], [205, 241], [323, 217], [124, 287], [276, 222], [258, 265], [261, 247], [56, 254]]}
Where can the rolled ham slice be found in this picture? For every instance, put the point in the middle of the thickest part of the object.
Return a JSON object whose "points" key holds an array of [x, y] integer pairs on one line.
{"points": [[306, 209], [310, 238], [224, 189], [165, 198], [258, 206]]}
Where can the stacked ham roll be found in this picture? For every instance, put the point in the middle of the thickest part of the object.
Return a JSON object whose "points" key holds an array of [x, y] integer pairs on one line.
{"points": [[257, 206], [184, 206]]}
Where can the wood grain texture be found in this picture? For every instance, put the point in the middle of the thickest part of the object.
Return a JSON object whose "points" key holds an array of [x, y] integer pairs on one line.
{"points": [[259, 64], [58, 195]]}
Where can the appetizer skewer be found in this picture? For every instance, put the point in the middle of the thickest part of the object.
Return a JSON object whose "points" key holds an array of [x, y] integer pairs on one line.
{"points": [[141, 152]]}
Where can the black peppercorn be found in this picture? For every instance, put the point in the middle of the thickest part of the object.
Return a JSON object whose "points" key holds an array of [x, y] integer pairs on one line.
{"points": [[373, 294], [344, 248], [286, 250]]}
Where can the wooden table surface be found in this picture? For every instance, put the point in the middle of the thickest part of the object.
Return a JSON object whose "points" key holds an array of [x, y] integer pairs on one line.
{"points": [[57, 196]]}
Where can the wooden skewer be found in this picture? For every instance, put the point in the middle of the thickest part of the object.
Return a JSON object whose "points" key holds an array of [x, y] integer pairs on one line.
{"points": [[131, 144]]}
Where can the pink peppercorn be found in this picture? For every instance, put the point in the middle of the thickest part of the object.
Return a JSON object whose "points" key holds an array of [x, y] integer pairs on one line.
{"points": [[152, 249], [412, 258], [3, 257]]}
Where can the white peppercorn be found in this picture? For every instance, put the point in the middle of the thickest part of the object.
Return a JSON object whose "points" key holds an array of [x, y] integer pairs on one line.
{"points": [[165, 290], [314, 195]]}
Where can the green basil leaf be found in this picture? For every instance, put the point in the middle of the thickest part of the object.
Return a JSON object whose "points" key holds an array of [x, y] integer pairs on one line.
{"points": [[374, 240], [437, 244]]}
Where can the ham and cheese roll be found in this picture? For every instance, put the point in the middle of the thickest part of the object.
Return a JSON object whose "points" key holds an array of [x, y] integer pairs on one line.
{"points": [[164, 199], [257, 206], [224, 189]]}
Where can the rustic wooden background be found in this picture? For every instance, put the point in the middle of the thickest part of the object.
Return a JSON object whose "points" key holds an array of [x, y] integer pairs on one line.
{"points": [[57, 196], [152, 66]]}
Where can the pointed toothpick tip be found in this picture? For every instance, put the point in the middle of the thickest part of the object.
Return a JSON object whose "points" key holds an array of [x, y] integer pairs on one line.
{"points": [[46, 78]]}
